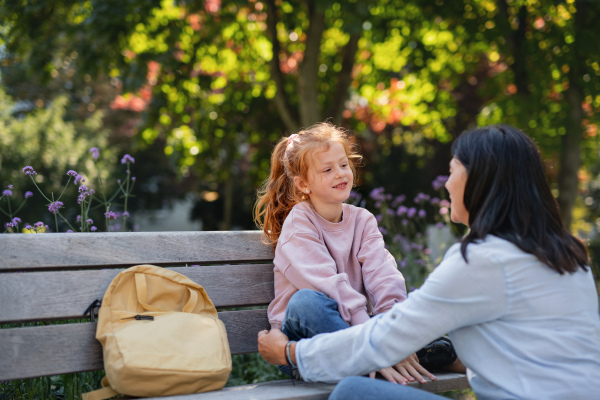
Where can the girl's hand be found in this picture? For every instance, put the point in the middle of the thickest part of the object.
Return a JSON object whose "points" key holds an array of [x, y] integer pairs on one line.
{"points": [[271, 346], [406, 371]]}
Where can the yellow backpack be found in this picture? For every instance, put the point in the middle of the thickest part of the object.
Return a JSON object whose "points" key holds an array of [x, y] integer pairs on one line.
{"points": [[160, 335]]}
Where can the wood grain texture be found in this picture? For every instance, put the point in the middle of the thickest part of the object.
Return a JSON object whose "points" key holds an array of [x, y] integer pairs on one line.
{"points": [[286, 390], [85, 250], [61, 295], [60, 349]]}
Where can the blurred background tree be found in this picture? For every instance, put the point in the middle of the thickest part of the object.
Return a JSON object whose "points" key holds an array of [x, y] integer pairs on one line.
{"points": [[198, 91]]}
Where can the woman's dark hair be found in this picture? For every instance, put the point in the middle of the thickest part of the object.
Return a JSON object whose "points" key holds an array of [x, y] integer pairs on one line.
{"points": [[507, 195]]}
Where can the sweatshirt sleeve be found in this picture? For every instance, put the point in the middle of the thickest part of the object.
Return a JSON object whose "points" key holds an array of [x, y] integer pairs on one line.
{"points": [[455, 295], [384, 284], [310, 266]]}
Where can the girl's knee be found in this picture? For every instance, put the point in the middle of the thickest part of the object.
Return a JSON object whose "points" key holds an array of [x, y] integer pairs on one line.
{"points": [[304, 298]]}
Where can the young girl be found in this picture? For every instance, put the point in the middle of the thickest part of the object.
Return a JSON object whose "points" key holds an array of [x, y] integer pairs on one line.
{"points": [[331, 270]]}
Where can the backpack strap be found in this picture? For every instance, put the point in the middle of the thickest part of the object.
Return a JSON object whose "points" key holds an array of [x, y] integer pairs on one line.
{"points": [[101, 394]]}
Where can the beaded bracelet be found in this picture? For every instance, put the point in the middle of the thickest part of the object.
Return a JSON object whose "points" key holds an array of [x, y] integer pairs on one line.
{"points": [[287, 353]]}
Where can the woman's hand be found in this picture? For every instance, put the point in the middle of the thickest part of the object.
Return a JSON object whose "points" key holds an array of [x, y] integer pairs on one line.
{"points": [[406, 371], [271, 346]]}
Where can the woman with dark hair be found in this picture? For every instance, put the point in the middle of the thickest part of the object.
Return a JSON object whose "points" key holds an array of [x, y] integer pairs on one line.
{"points": [[516, 296]]}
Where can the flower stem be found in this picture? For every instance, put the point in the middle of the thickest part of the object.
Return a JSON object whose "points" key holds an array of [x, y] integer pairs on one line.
{"points": [[64, 219], [39, 190], [65, 188], [55, 217]]}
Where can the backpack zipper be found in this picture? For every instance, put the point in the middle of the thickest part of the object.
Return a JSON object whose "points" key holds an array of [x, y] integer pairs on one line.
{"points": [[141, 317]]}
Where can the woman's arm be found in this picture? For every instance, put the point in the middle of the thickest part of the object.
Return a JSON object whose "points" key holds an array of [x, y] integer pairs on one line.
{"points": [[456, 295]]}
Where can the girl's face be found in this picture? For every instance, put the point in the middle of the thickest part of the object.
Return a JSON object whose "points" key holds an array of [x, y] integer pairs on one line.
{"points": [[456, 188], [329, 178]]}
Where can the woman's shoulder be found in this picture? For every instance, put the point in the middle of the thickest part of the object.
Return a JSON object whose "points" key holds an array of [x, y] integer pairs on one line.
{"points": [[491, 250]]}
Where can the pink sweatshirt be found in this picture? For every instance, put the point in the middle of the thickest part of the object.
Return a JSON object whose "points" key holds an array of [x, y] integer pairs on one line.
{"points": [[347, 261]]}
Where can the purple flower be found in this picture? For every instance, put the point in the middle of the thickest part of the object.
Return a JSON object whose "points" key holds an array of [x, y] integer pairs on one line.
{"points": [[89, 221], [16, 220], [402, 264], [422, 213], [82, 188], [28, 170], [401, 211], [28, 194], [390, 211], [126, 159], [79, 178], [444, 203], [378, 218], [54, 207], [439, 225], [411, 212], [72, 173], [118, 181], [95, 152], [11, 187], [133, 178], [69, 231], [383, 230], [28, 227], [93, 229], [398, 200], [7, 193], [435, 201], [92, 191], [38, 225], [421, 197], [126, 213], [439, 182], [8, 225], [110, 215], [377, 194]]}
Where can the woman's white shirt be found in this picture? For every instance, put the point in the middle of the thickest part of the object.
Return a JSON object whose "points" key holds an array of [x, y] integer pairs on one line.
{"points": [[523, 330]]}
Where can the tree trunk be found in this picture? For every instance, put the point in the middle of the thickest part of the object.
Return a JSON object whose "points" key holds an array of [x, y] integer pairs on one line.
{"points": [[310, 110], [570, 156], [281, 99], [344, 79]]}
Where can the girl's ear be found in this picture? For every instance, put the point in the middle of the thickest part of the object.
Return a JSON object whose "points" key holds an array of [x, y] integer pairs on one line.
{"points": [[300, 184]]}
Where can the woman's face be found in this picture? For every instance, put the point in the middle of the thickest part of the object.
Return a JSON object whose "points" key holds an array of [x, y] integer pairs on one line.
{"points": [[456, 188]]}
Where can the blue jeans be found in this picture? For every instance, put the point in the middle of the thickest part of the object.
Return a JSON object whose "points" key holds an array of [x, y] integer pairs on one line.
{"points": [[309, 313], [361, 388]]}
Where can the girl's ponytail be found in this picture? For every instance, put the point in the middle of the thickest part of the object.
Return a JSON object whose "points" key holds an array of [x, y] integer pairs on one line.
{"points": [[276, 197]]}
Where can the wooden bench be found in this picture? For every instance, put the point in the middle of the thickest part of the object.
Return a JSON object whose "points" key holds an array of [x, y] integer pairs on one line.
{"points": [[54, 277]]}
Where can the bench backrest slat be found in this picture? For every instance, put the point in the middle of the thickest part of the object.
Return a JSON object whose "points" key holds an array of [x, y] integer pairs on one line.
{"points": [[103, 250], [56, 349], [61, 295]]}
